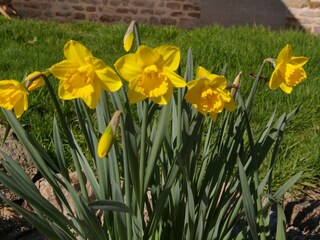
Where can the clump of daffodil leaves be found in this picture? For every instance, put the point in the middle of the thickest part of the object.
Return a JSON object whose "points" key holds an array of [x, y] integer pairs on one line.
{"points": [[167, 175]]}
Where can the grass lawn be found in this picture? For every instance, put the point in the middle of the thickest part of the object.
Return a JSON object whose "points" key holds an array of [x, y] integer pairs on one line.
{"points": [[27, 46]]}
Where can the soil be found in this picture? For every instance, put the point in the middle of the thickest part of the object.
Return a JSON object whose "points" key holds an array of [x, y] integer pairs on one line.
{"points": [[302, 207]]}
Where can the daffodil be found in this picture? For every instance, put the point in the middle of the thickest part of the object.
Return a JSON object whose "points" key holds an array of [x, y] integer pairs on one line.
{"points": [[108, 136], [129, 36], [83, 76], [288, 70], [150, 73], [13, 95], [208, 93], [34, 81]]}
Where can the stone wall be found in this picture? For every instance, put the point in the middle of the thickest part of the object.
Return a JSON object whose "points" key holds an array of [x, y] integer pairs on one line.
{"points": [[166, 12], [298, 14], [305, 14]]}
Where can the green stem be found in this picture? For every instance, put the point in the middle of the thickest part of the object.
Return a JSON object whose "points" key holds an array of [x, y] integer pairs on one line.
{"points": [[179, 117], [142, 161], [69, 138], [137, 34], [127, 188]]}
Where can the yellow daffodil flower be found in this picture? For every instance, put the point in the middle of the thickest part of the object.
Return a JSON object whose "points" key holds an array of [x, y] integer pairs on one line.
{"points": [[129, 36], [150, 73], [34, 81], [288, 70], [83, 76], [107, 138], [208, 93], [13, 95]]}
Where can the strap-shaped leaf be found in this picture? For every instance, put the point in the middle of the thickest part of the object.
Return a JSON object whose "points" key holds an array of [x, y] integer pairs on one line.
{"points": [[281, 223], [110, 205], [248, 204]]}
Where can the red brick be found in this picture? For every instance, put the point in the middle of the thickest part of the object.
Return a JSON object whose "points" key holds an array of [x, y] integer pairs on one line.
{"points": [[110, 18], [79, 16], [176, 14], [91, 9], [63, 14], [174, 6], [78, 8], [189, 7], [143, 3], [115, 2], [147, 11], [127, 10]]}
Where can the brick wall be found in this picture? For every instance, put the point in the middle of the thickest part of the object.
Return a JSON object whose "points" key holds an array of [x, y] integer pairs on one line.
{"points": [[167, 12], [298, 14]]}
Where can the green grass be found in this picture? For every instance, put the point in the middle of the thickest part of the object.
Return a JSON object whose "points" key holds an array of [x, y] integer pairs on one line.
{"points": [[241, 48]]}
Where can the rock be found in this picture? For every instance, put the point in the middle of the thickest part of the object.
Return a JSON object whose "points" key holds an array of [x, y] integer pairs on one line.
{"points": [[15, 150], [302, 210], [12, 225], [47, 192]]}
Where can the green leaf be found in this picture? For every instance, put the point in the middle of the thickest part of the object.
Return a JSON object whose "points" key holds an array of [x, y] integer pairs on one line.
{"points": [[157, 143], [287, 185], [59, 150], [248, 202], [281, 223], [40, 224], [109, 205]]}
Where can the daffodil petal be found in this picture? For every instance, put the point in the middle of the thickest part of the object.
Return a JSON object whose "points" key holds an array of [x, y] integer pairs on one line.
{"points": [[275, 79], [76, 52], [60, 70], [146, 56], [230, 106], [175, 79], [285, 88], [21, 106], [218, 81], [285, 54], [226, 96], [13, 96], [171, 56], [298, 61], [194, 93], [127, 67], [134, 95], [202, 72], [89, 93], [110, 81]]}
